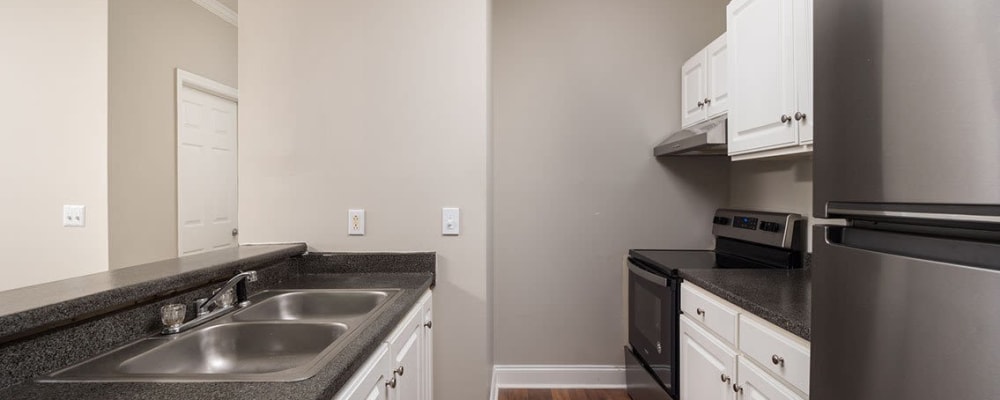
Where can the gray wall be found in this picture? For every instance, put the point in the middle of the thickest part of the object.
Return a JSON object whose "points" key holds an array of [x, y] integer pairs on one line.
{"points": [[582, 92], [783, 185], [53, 107], [380, 105], [147, 40]]}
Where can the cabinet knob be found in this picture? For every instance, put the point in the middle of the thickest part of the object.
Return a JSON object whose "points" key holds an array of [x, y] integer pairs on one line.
{"points": [[701, 104], [778, 360], [398, 371], [391, 383], [708, 101], [737, 388], [725, 378], [799, 116], [700, 312], [429, 324], [785, 119]]}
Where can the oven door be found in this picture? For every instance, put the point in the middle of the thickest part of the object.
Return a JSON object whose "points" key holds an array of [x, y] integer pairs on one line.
{"points": [[653, 300]]}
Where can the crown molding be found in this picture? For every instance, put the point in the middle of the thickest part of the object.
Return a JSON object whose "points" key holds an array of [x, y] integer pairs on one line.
{"points": [[215, 7]]}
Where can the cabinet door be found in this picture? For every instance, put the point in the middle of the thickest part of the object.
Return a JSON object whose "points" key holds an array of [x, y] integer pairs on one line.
{"points": [[428, 368], [693, 90], [757, 385], [707, 367], [408, 365], [761, 78], [804, 69], [718, 77], [369, 383]]}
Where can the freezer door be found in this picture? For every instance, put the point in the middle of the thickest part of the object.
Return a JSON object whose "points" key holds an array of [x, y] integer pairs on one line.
{"points": [[889, 326], [907, 97]]}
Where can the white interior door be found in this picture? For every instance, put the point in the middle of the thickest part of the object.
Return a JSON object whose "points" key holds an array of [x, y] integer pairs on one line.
{"points": [[206, 165]]}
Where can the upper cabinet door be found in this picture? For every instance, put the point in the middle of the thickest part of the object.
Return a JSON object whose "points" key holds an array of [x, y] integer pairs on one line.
{"points": [[718, 77], [804, 70], [761, 71], [693, 90]]}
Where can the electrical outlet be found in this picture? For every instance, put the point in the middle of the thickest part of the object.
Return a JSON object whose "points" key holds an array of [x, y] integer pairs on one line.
{"points": [[74, 216], [356, 222], [450, 221]]}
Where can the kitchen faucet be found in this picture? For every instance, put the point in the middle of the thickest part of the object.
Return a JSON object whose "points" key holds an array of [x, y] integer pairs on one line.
{"points": [[208, 309]]}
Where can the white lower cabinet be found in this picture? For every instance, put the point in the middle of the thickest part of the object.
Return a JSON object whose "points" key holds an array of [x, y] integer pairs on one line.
{"points": [[756, 384], [401, 368], [763, 362], [708, 367]]}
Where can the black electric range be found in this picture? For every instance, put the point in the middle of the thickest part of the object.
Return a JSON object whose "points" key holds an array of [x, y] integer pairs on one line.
{"points": [[743, 239]]}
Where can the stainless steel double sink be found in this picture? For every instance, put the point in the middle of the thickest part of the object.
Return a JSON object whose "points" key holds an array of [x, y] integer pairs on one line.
{"points": [[283, 336]]}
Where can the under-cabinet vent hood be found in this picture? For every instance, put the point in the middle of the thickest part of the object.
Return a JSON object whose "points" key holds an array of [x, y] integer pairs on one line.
{"points": [[705, 139]]}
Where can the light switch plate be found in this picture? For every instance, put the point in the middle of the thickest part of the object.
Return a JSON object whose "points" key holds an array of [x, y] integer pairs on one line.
{"points": [[356, 222], [74, 216], [450, 221]]}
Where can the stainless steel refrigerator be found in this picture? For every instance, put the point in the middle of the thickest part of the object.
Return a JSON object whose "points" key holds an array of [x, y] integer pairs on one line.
{"points": [[906, 295]]}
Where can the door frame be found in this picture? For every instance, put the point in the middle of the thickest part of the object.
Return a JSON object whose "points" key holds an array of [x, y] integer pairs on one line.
{"points": [[203, 84]]}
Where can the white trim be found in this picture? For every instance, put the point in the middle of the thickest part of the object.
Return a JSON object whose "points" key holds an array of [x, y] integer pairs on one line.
{"points": [[215, 7], [557, 377], [204, 84]]}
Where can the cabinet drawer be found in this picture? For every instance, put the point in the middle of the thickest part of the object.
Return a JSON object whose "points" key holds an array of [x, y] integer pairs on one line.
{"points": [[779, 352], [718, 316]]}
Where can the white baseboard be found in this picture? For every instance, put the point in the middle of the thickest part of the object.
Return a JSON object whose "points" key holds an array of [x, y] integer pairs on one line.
{"points": [[557, 377]]}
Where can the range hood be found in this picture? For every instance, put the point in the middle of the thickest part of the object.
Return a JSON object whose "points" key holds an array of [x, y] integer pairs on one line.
{"points": [[705, 139]]}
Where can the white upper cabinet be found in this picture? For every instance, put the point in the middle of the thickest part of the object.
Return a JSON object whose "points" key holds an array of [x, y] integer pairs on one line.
{"points": [[717, 60], [770, 77], [704, 84]]}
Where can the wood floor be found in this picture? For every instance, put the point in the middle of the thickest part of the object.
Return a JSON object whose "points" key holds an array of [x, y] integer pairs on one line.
{"points": [[563, 394]]}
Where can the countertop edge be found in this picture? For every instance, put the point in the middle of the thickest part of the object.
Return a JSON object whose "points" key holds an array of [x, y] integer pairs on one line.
{"points": [[33, 320]]}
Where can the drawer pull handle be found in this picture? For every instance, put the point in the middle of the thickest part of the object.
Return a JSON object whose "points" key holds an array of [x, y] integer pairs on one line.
{"points": [[778, 360], [725, 378], [700, 312]]}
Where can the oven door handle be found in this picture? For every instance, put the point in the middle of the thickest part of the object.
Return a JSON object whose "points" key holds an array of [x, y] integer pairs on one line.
{"points": [[649, 276]]}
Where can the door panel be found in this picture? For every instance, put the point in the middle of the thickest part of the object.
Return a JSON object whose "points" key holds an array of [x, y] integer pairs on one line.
{"points": [[907, 93], [717, 62], [693, 90], [409, 361], [882, 322], [206, 172], [803, 10], [762, 83], [704, 362]]}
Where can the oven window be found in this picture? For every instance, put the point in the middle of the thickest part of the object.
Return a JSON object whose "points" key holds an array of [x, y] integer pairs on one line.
{"points": [[647, 314]]}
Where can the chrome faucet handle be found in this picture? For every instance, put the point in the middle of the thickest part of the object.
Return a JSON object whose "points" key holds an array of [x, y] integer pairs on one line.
{"points": [[201, 306]]}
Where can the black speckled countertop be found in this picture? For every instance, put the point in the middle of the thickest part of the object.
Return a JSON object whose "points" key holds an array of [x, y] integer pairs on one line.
{"points": [[324, 385], [782, 297], [33, 309]]}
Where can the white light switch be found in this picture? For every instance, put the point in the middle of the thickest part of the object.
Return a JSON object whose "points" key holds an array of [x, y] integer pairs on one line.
{"points": [[74, 216], [356, 222], [450, 221]]}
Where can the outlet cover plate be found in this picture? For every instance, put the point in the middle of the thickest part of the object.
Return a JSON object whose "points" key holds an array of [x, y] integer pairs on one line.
{"points": [[356, 222], [74, 216]]}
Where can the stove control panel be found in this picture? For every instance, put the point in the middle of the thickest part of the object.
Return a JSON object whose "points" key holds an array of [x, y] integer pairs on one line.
{"points": [[784, 230]]}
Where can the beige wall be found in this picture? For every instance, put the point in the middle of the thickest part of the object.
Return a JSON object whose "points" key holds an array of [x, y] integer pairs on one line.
{"points": [[382, 106], [148, 39], [53, 104], [783, 185], [582, 92]]}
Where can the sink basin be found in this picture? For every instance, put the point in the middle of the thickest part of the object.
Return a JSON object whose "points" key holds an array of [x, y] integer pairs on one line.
{"points": [[237, 348], [313, 305], [283, 336]]}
